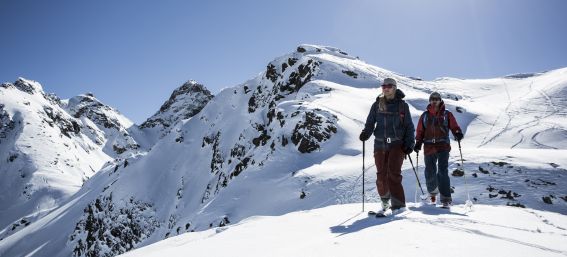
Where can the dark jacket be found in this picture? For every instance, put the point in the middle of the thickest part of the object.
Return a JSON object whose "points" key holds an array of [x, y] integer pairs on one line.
{"points": [[388, 127], [435, 136]]}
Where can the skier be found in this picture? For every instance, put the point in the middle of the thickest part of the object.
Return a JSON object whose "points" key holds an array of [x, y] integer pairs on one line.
{"points": [[433, 132], [390, 122]]}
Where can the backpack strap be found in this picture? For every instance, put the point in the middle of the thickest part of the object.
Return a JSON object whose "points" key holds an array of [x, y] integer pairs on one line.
{"points": [[402, 112], [423, 118], [445, 126]]}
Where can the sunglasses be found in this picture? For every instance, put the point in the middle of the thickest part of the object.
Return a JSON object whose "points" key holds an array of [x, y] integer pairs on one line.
{"points": [[388, 86], [435, 99]]}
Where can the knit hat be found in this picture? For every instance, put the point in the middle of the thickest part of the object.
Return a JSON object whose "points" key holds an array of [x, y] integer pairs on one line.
{"points": [[390, 81], [434, 95]]}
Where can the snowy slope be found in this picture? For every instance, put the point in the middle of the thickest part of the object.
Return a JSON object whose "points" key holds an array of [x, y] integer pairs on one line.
{"points": [[287, 140], [342, 230], [526, 112], [45, 157]]}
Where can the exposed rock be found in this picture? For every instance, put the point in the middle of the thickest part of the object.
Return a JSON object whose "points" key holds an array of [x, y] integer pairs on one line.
{"points": [[107, 229], [312, 130]]}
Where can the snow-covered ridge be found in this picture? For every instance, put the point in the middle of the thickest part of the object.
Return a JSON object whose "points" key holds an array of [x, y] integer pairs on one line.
{"points": [[29, 86], [114, 125]]}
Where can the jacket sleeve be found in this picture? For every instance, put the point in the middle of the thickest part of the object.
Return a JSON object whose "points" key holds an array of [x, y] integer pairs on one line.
{"points": [[419, 131], [453, 124], [409, 138], [370, 121]]}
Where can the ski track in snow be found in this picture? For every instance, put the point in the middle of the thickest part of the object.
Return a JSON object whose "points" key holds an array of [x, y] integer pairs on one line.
{"points": [[506, 111], [547, 222], [444, 224]]}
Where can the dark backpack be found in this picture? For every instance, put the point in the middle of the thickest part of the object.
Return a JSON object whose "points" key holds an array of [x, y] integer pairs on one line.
{"points": [[401, 111]]}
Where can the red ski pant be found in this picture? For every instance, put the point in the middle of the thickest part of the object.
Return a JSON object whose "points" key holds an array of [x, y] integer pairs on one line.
{"points": [[389, 175]]}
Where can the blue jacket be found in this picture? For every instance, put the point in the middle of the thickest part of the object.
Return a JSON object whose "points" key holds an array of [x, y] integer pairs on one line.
{"points": [[388, 127]]}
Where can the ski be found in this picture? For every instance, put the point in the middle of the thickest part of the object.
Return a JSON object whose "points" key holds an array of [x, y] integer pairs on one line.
{"points": [[387, 213], [377, 214], [381, 214]]}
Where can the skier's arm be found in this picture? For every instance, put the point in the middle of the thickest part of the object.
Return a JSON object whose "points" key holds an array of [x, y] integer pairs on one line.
{"points": [[419, 130], [457, 133], [370, 121], [409, 140], [453, 125]]}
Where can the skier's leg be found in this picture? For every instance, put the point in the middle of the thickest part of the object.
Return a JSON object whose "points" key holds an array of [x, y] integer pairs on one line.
{"points": [[431, 173], [443, 177], [381, 175], [395, 161]]}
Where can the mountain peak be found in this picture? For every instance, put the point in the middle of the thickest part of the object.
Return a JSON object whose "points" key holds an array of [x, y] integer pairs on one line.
{"points": [[88, 105], [185, 101], [25, 85], [310, 49]]}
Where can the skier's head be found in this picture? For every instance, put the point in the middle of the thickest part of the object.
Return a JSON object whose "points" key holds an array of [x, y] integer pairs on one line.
{"points": [[389, 87], [435, 99]]}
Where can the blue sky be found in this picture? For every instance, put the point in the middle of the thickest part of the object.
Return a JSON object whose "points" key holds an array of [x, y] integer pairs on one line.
{"points": [[132, 54]]}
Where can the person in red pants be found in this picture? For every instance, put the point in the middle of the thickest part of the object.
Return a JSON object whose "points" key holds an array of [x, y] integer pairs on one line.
{"points": [[390, 121], [433, 132]]}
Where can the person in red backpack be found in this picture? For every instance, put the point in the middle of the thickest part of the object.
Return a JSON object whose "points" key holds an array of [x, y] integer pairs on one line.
{"points": [[389, 120], [433, 133]]}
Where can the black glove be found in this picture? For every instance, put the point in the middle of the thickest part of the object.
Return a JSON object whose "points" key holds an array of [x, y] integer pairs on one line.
{"points": [[417, 146], [407, 150], [363, 136], [459, 136]]}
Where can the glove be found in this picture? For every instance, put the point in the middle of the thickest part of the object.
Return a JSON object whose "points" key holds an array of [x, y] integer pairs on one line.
{"points": [[363, 136], [407, 150], [417, 146], [459, 136]]}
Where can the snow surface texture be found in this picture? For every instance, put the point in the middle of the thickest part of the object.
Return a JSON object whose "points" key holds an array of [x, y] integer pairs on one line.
{"points": [[342, 230], [287, 141]]}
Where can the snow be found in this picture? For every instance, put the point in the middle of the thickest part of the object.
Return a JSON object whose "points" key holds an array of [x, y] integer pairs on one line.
{"points": [[280, 153], [343, 230], [48, 167]]}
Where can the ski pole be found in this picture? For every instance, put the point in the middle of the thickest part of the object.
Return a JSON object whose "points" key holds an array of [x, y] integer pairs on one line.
{"points": [[468, 203], [415, 172], [363, 193], [417, 168], [417, 160]]}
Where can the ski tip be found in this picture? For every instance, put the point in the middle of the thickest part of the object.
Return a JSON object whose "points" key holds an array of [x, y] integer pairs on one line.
{"points": [[380, 215]]}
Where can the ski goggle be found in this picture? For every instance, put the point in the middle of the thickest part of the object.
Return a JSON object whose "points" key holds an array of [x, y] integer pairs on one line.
{"points": [[435, 100], [388, 86]]}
